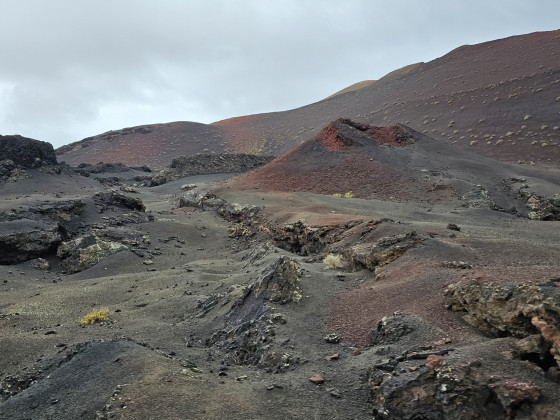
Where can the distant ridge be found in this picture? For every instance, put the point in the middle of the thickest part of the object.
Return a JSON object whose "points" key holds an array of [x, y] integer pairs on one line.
{"points": [[353, 88], [499, 99]]}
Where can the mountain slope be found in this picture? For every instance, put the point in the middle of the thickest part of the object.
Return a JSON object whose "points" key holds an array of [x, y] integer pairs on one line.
{"points": [[499, 99], [154, 145], [505, 90]]}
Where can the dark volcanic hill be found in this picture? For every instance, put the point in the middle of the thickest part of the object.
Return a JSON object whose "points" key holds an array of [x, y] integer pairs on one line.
{"points": [[499, 99]]}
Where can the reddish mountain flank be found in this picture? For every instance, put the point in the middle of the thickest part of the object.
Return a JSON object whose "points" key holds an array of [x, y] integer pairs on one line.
{"points": [[154, 145], [499, 99]]}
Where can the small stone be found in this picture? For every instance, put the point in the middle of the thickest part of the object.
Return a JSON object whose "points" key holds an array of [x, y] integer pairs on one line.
{"points": [[453, 226], [513, 393], [332, 338], [187, 187], [147, 262], [332, 357], [442, 342], [317, 379], [434, 360], [41, 264], [335, 394], [278, 318]]}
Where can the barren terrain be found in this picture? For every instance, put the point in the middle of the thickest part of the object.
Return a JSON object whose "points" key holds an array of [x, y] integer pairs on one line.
{"points": [[390, 252]]}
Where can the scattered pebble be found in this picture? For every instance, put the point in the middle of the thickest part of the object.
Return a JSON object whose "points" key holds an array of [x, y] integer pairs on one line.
{"points": [[317, 379], [332, 338]]}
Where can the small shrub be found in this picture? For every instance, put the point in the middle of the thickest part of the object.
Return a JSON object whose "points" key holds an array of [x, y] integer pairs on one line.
{"points": [[544, 144], [94, 316], [474, 142], [345, 195], [500, 141], [544, 127], [527, 117], [333, 261], [509, 133]]}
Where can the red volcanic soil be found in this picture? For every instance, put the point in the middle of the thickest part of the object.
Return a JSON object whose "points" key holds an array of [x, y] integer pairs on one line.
{"points": [[333, 140], [343, 157], [416, 285]]}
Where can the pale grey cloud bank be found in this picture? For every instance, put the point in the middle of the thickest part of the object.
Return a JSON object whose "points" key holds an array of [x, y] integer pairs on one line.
{"points": [[74, 68]]}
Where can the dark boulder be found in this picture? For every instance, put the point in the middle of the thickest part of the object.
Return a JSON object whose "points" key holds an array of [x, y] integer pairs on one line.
{"points": [[25, 239], [26, 152], [114, 199]]}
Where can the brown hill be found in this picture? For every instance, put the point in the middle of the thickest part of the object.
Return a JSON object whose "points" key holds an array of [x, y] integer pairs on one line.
{"points": [[154, 145], [499, 99]]}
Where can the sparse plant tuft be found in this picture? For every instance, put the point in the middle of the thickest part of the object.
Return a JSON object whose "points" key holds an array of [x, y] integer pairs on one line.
{"points": [[345, 195], [333, 261], [94, 316]]}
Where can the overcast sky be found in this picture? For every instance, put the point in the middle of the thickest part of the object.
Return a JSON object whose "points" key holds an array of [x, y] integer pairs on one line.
{"points": [[75, 68]]}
